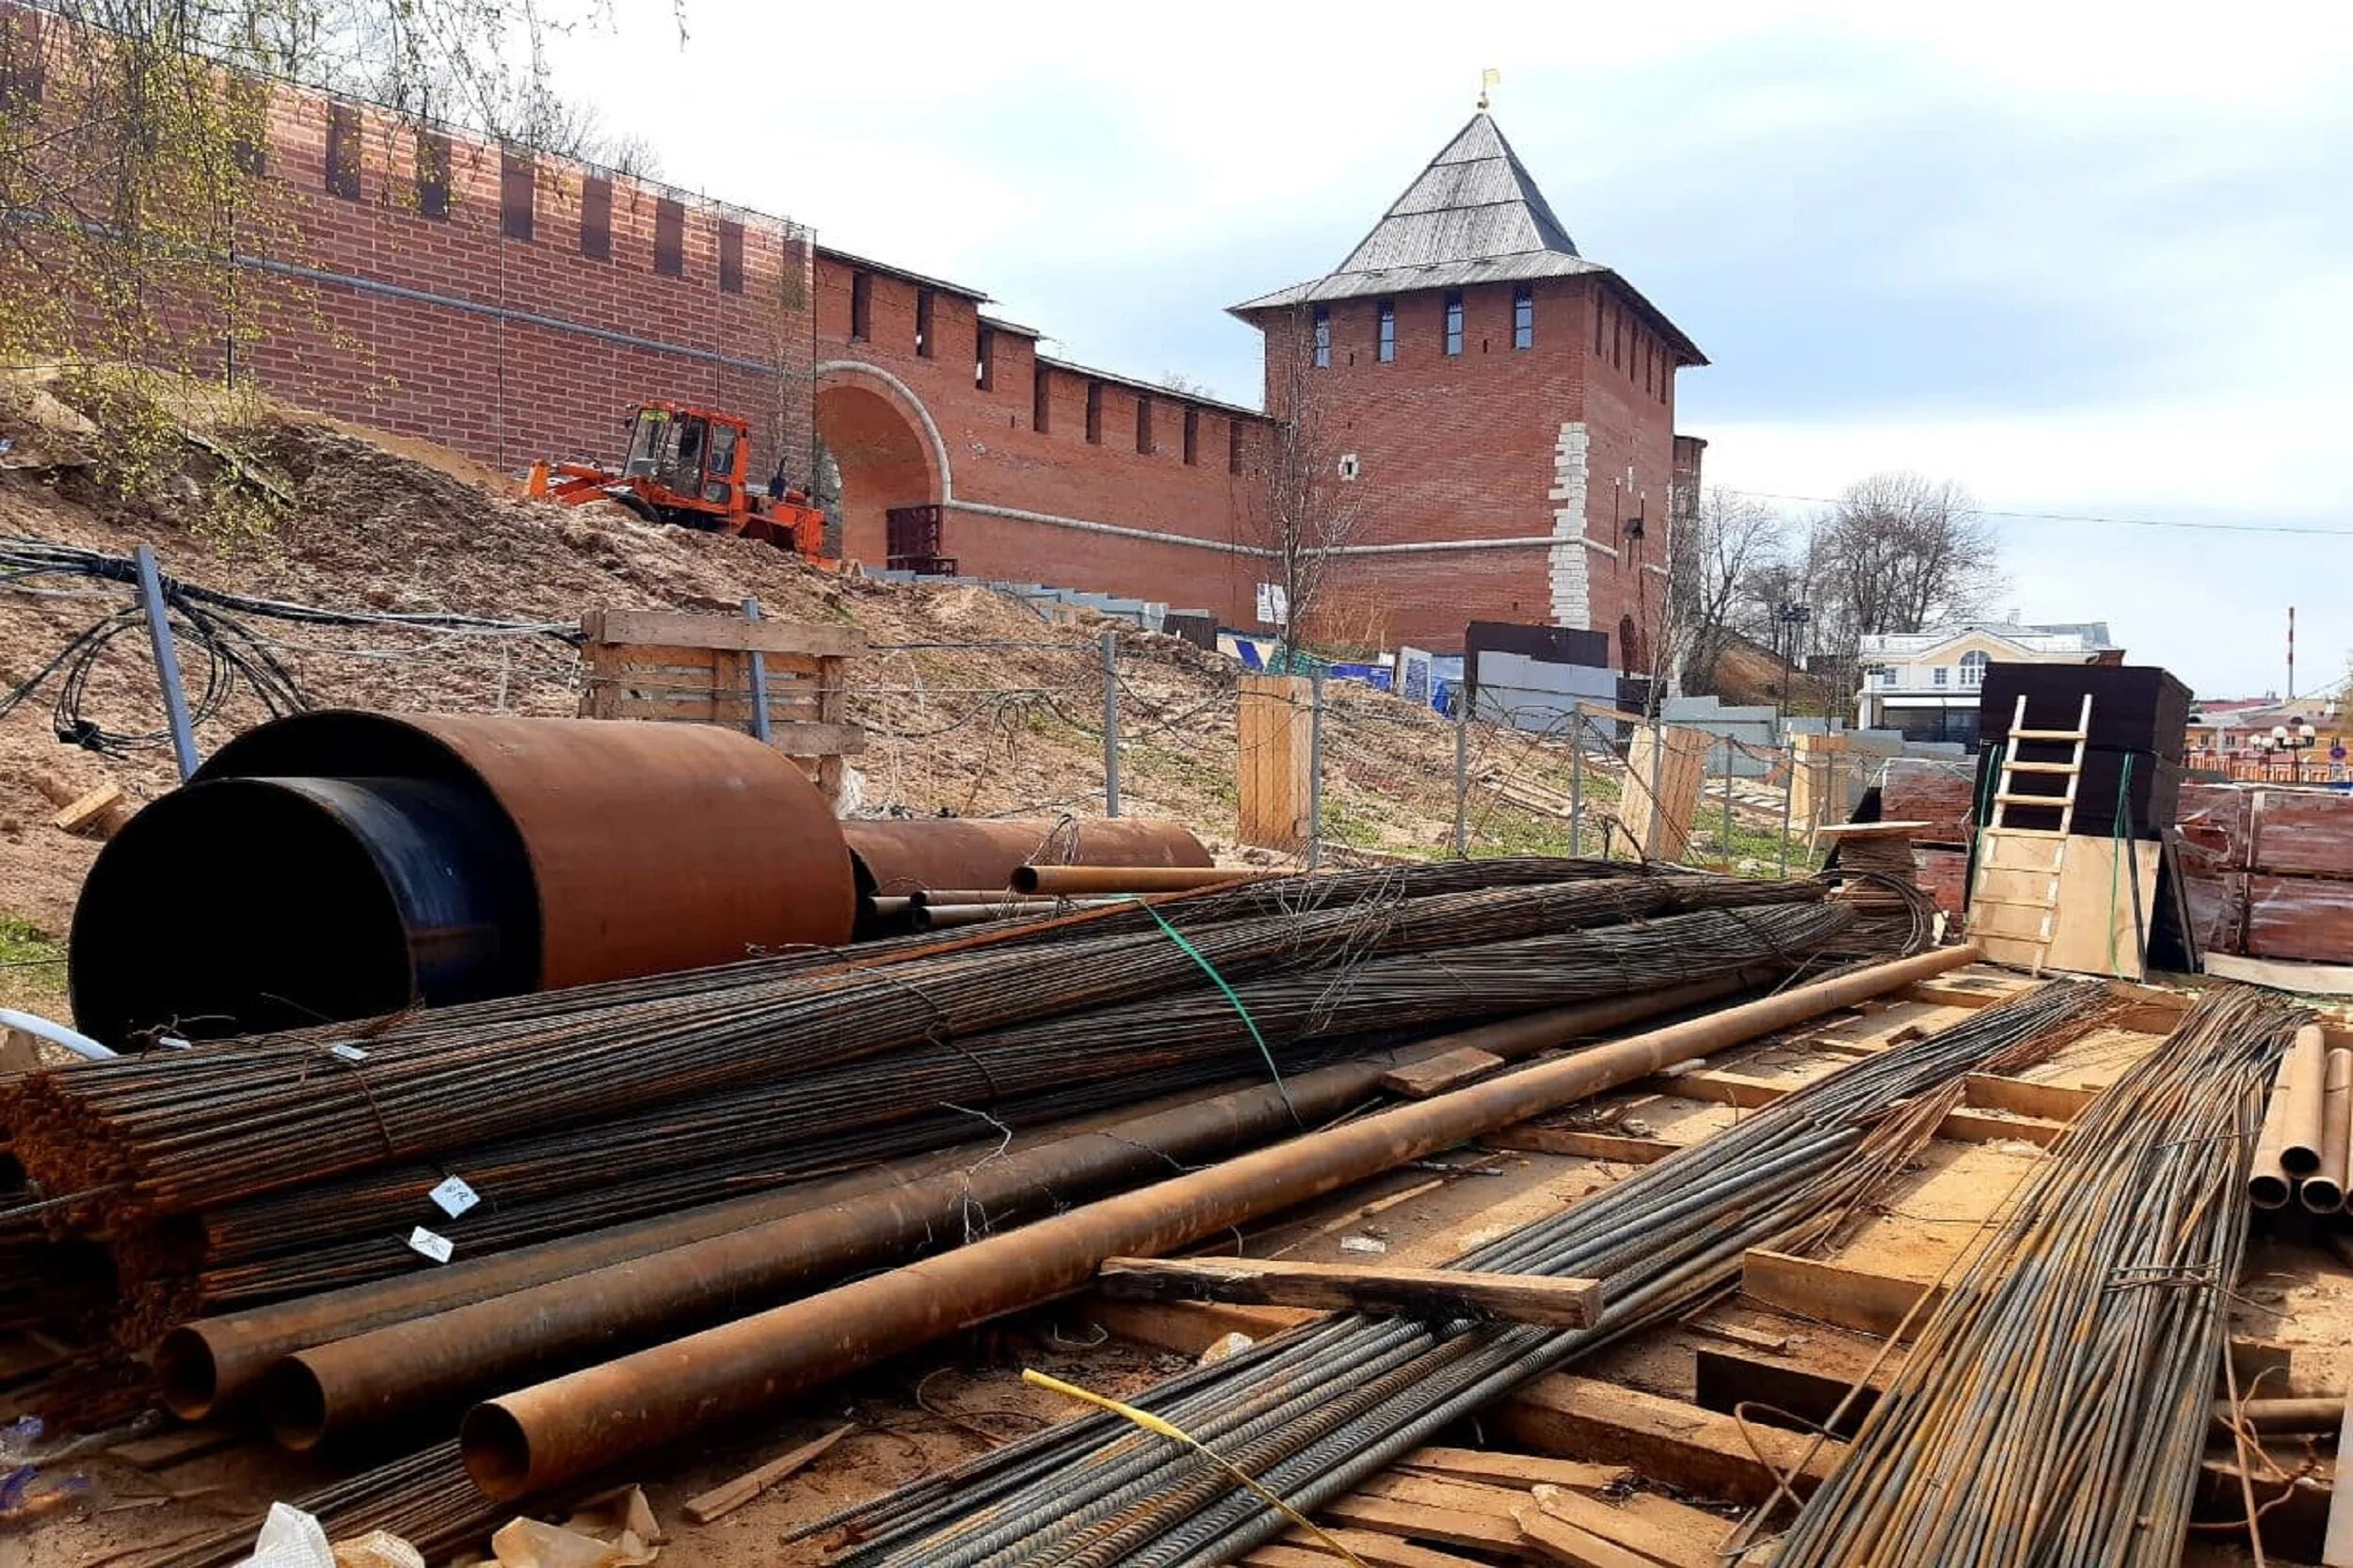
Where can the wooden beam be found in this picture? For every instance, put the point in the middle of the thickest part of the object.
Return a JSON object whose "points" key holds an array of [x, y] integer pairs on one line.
{"points": [[1950, 992], [1380, 1292], [1833, 1292], [1188, 1328], [1435, 1074], [1463, 1496], [1370, 1546], [1513, 1470], [1557, 1541], [2056, 1102], [1617, 1147], [1625, 1528], [1778, 1393], [90, 809], [1984, 1126], [1449, 1527], [1725, 1088], [670, 629], [1696, 1452]]}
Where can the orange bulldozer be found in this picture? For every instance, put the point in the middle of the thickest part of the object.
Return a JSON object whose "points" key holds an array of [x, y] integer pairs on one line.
{"points": [[686, 465]]}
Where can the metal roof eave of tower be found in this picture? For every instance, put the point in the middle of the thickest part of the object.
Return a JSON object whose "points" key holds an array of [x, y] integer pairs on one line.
{"points": [[1456, 275]]}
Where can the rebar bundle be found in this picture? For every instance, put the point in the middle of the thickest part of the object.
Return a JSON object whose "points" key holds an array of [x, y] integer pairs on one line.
{"points": [[766, 1133], [169, 1134], [2055, 1408], [1313, 1412]]}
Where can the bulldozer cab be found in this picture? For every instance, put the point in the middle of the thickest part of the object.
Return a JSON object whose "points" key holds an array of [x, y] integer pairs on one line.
{"points": [[690, 455]]}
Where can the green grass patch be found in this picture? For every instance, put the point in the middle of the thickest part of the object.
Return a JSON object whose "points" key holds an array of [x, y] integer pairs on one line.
{"points": [[32, 968]]}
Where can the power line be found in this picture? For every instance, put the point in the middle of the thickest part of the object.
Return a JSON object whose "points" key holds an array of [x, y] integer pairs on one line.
{"points": [[2081, 517]]}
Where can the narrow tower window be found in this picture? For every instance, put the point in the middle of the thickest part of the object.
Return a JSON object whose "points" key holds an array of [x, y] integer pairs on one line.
{"points": [[1323, 337], [1388, 331], [1453, 324], [1524, 316]]}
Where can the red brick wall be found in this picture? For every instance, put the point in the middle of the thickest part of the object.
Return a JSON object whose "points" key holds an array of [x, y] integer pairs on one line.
{"points": [[463, 365], [997, 458]]}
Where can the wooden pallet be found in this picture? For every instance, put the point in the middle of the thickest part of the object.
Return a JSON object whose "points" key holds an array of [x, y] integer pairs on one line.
{"points": [[674, 668]]}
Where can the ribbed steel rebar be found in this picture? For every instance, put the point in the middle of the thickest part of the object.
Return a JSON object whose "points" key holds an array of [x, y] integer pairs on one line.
{"points": [[236, 1119], [1314, 1413], [2056, 1406]]}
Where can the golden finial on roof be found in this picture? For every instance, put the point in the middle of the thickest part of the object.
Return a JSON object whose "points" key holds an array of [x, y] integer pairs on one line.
{"points": [[1489, 80]]}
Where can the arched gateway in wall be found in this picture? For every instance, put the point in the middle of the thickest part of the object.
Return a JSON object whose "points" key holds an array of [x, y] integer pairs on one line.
{"points": [[889, 452]]}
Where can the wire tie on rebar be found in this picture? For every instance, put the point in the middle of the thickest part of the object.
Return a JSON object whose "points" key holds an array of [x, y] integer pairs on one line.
{"points": [[348, 1057]]}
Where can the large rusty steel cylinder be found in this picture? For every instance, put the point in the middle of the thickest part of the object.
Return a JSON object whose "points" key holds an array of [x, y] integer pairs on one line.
{"points": [[339, 864]]}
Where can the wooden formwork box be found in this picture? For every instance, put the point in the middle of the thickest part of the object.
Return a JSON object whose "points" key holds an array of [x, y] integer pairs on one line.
{"points": [[2101, 909], [678, 668], [1661, 830], [1274, 732]]}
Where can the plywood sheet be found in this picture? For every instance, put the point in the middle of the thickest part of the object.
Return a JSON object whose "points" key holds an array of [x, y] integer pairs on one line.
{"points": [[2100, 927]]}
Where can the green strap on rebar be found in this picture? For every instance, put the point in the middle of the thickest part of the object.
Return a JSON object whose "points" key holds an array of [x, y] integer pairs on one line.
{"points": [[1247, 1021]]}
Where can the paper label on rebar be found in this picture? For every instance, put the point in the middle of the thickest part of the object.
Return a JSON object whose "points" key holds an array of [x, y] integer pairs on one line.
{"points": [[439, 1248], [348, 1051], [455, 1197]]}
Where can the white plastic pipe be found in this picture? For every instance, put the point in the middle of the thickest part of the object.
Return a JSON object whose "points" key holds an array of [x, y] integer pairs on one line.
{"points": [[57, 1035]]}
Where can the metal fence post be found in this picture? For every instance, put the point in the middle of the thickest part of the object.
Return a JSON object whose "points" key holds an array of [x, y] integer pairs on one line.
{"points": [[1110, 724], [1789, 799], [166, 661], [1727, 803], [759, 669], [1314, 767], [1462, 770], [1577, 778], [1652, 829]]}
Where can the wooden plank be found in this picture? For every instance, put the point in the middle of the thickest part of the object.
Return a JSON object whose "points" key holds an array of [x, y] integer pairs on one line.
{"points": [[2094, 931], [1703, 1530], [1374, 1549], [1677, 757], [1948, 992], [1272, 716], [1619, 1147], [1448, 1527], [1436, 1294], [1726, 1088], [1425, 1491], [2056, 1102], [1188, 1328], [1435, 1074], [1986, 1127], [1557, 1541], [1696, 1452], [1834, 1293], [1801, 1397], [728, 1497], [87, 810], [1513, 1470], [1627, 1527], [2312, 980], [672, 628]]}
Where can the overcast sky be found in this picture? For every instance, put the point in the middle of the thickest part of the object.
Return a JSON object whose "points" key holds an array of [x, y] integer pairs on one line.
{"points": [[2084, 258]]}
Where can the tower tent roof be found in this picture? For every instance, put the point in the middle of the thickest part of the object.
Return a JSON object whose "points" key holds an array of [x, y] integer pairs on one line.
{"points": [[1474, 214]]}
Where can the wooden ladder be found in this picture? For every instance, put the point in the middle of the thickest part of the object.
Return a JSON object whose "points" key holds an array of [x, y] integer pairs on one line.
{"points": [[1999, 832]]}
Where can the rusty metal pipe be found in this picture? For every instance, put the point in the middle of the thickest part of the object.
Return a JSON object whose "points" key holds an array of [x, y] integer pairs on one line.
{"points": [[398, 1368], [1068, 880], [537, 1436], [208, 1364], [894, 856], [2324, 1191], [2287, 1415], [931, 897], [2268, 1184], [2307, 1078]]}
